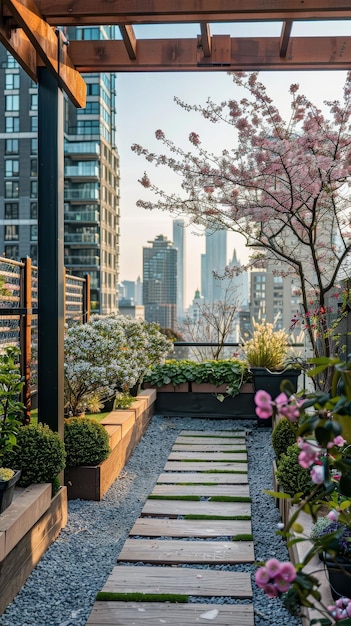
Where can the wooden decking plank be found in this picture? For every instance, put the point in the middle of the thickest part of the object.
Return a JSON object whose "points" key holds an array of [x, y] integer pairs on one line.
{"points": [[141, 613], [181, 580], [155, 527], [204, 466], [218, 441], [202, 447], [198, 478], [201, 490], [181, 551], [212, 433], [173, 508], [207, 456]]}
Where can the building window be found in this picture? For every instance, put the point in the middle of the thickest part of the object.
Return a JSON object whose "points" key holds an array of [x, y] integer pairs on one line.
{"points": [[93, 89], [33, 167], [33, 210], [34, 146], [12, 124], [88, 127], [11, 168], [12, 103], [33, 188], [34, 124], [11, 211], [34, 102], [33, 253], [12, 81], [11, 189], [12, 252], [11, 146], [34, 232], [11, 232]]}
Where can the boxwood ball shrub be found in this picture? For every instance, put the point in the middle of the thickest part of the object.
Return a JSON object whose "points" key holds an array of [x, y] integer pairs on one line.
{"points": [[40, 454], [86, 441], [291, 477], [283, 436]]}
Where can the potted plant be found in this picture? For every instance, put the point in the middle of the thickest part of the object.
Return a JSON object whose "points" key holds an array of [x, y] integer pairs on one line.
{"points": [[269, 360], [11, 412], [334, 538]]}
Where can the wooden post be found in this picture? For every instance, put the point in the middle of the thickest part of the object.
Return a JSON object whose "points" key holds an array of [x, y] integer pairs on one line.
{"points": [[86, 299], [26, 334], [50, 253]]}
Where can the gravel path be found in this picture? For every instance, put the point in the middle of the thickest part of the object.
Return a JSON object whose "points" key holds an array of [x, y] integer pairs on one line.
{"points": [[62, 588]]}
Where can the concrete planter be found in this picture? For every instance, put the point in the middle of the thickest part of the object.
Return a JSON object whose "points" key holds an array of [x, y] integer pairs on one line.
{"points": [[125, 428]]}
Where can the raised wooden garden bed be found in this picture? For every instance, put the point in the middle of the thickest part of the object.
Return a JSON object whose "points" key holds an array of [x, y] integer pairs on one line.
{"points": [[190, 399], [27, 528], [125, 428]]}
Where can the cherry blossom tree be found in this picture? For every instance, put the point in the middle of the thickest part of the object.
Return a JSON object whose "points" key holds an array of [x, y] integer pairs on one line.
{"points": [[283, 185]]}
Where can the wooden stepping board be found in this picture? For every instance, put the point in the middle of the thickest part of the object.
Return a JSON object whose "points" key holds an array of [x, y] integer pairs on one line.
{"points": [[209, 441], [173, 508], [201, 490], [135, 613], [200, 478], [212, 433], [180, 551], [203, 447], [206, 529], [204, 466], [231, 457], [187, 581]]}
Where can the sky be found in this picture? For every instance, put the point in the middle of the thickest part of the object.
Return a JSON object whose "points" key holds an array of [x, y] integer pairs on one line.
{"points": [[145, 103]]}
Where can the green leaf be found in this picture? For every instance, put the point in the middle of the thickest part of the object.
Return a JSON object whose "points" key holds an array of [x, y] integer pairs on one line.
{"points": [[277, 494]]}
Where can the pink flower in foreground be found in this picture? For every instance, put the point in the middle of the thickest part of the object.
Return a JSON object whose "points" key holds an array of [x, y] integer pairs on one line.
{"points": [[309, 454], [333, 515], [317, 474], [341, 610], [275, 577], [288, 407], [263, 403]]}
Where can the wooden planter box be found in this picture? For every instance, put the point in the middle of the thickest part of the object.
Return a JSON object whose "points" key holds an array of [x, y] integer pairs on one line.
{"points": [[125, 428], [204, 403], [27, 528]]}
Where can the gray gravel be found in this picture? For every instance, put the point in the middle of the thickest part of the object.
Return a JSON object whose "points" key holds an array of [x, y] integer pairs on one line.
{"points": [[62, 588]]}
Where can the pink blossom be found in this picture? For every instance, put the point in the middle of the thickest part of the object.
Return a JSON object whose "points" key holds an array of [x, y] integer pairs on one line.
{"points": [[309, 454], [262, 577], [194, 139], [317, 474], [287, 571], [271, 590], [263, 403], [273, 567], [339, 441], [333, 515]]}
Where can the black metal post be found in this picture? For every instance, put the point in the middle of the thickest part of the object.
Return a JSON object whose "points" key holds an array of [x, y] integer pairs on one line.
{"points": [[50, 253]]}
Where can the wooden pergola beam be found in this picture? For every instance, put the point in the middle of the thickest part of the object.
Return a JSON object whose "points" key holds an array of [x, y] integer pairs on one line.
{"points": [[83, 12], [129, 39], [228, 54], [285, 38], [19, 46], [205, 39], [49, 45]]}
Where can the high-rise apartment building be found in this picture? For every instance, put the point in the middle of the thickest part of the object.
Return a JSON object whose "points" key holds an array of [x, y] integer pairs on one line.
{"points": [[179, 243], [160, 282], [91, 194]]}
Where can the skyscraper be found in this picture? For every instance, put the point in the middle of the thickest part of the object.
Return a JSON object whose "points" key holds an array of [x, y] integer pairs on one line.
{"points": [[91, 192], [160, 282], [179, 243], [214, 259]]}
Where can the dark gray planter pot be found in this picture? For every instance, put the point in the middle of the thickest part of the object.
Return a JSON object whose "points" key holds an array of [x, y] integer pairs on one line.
{"points": [[7, 489], [339, 575], [270, 382]]}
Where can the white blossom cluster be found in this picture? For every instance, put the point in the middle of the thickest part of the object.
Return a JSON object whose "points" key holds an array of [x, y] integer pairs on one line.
{"points": [[108, 354]]}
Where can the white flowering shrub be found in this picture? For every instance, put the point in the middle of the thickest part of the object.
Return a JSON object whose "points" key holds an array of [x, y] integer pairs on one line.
{"points": [[108, 354]]}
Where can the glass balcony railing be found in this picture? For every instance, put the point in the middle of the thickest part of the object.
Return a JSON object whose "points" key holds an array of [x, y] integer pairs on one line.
{"points": [[82, 238], [81, 194], [82, 147], [82, 260], [82, 216], [91, 171]]}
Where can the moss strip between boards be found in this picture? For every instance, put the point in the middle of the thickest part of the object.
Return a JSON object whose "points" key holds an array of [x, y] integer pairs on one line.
{"points": [[140, 597], [216, 436], [219, 517], [155, 496], [223, 471], [242, 537], [229, 499], [211, 461]]}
